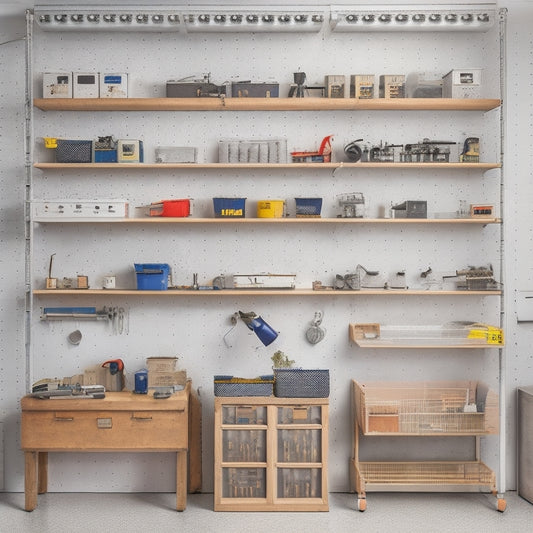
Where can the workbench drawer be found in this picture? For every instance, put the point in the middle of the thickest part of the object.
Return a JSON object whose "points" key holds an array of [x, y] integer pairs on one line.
{"points": [[104, 430]]}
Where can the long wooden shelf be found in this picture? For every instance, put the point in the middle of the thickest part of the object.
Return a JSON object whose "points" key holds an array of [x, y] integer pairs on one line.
{"points": [[419, 344], [281, 166], [375, 336], [109, 293], [265, 104], [285, 220]]}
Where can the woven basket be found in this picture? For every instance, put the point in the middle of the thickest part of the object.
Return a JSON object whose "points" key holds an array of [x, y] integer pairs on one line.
{"points": [[301, 383], [232, 386]]}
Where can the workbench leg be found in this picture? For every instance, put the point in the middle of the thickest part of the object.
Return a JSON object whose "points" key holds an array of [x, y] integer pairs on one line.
{"points": [[30, 480], [181, 480], [42, 484], [195, 443]]}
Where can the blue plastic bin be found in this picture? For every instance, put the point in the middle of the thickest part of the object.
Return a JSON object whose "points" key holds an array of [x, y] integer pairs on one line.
{"points": [[229, 207], [152, 276]]}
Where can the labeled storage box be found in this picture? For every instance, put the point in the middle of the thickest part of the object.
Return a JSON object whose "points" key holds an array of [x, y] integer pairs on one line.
{"points": [[229, 207], [392, 86], [232, 386], [308, 207], [113, 85], [74, 151], [57, 84], [152, 276], [80, 208], [362, 86], [130, 151], [335, 86], [462, 83], [270, 208], [301, 383]]}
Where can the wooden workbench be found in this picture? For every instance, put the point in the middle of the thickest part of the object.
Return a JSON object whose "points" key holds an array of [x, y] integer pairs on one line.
{"points": [[121, 422]]}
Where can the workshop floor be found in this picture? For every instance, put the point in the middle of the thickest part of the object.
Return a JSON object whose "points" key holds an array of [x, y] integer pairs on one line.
{"points": [[153, 513]]}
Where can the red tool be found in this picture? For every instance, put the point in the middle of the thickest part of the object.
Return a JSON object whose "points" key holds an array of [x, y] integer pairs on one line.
{"points": [[115, 365]]}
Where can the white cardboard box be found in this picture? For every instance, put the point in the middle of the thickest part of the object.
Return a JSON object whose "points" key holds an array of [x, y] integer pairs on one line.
{"points": [[57, 84], [113, 85], [462, 83], [85, 85], [64, 209]]}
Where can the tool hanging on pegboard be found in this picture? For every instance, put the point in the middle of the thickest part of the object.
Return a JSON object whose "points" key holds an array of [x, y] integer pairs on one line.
{"points": [[315, 333]]}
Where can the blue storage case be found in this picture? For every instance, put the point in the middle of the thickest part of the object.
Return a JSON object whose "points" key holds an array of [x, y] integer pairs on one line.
{"points": [[152, 276]]}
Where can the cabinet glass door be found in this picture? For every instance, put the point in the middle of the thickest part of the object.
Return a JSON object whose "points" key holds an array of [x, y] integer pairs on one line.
{"points": [[299, 483], [299, 445], [244, 483], [243, 445]]}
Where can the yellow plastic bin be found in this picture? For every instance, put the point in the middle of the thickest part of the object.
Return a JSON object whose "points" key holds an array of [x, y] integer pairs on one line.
{"points": [[270, 208]]}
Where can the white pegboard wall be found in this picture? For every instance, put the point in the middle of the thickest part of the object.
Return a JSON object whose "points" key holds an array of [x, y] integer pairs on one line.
{"points": [[194, 327]]}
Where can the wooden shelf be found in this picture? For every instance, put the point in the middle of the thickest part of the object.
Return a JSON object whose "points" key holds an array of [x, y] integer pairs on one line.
{"points": [[265, 104], [418, 337], [311, 220], [109, 293], [281, 166]]}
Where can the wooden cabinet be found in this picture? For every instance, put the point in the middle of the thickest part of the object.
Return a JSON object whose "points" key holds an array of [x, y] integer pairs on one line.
{"points": [[271, 454]]}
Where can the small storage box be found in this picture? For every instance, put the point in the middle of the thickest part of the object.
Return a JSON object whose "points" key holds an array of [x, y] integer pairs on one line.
{"points": [[232, 386], [308, 207], [152, 276], [229, 207], [462, 83], [300, 383], [57, 84], [243, 89], [171, 208], [176, 154], [69, 151]]}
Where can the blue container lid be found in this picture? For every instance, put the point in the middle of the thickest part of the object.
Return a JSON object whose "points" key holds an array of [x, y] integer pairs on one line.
{"points": [[151, 268]]}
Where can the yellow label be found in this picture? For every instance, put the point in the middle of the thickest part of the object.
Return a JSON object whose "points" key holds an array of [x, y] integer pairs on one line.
{"points": [[50, 142], [491, 334]]}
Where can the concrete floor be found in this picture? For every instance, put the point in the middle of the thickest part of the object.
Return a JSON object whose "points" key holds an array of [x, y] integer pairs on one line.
{"points": [[154, 513]]}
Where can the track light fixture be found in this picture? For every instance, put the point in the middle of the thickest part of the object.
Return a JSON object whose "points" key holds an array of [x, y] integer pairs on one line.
{"points": [[363, 18], [436, 17]]}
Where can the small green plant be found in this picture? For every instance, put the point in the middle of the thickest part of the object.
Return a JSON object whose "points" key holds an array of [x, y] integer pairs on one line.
{"points": [[280, 360]]}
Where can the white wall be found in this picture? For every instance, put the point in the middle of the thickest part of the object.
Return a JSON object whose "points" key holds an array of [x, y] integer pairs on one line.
{"points": [[192, 328]]}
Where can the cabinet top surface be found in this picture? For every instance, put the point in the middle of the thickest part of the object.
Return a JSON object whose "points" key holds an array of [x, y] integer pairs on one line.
{"points": [[264, 104], [113, 401]]}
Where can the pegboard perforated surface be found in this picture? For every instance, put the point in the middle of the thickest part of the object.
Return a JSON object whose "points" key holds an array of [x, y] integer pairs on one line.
{"points": [[193, 327]]}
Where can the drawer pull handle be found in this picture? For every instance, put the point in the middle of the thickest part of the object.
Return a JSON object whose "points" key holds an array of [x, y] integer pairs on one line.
{"points": [[63, 419], [134, 417]]}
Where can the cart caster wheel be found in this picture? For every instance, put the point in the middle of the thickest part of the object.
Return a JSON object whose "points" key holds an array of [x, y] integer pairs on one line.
{"points": [[361, 504], [502, 505]]}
